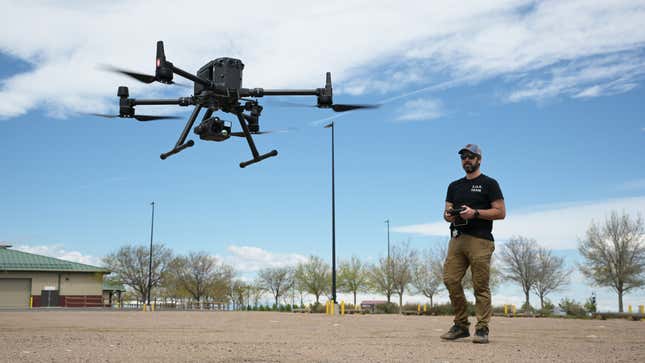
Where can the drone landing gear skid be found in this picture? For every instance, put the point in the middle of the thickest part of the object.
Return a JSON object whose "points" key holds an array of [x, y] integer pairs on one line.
{"points": [[247, 133], [181, 143]]}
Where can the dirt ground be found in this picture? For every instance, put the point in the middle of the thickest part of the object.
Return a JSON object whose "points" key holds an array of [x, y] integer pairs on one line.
{"points": [[169, 336]]}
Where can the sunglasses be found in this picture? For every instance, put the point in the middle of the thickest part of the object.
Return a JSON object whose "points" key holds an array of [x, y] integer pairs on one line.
{"points": [[468, 156]]}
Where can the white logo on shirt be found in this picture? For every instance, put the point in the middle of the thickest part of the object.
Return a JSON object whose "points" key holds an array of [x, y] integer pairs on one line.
{"points": [[476, 188]]}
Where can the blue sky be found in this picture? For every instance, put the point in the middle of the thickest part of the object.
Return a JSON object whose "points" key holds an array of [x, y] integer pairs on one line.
{"points": [[555, 105]]}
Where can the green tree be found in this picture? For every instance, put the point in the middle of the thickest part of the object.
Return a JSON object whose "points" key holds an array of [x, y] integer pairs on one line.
{"points": [[195, 273], [352, 276], [428, 274], [314, 276], [403, 262], [380, 277]]}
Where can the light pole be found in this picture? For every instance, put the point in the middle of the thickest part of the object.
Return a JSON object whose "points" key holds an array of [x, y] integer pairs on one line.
{"points": [[333, 219], [152, 228], [387, 221]]}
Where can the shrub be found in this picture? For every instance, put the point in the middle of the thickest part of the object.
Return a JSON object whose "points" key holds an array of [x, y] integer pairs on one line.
{"points": [[590, 304], [499, 309], [317, 308], [387, 308], [411, 307], [572, 307], [548, 308], [527, 308], [446, 309]]}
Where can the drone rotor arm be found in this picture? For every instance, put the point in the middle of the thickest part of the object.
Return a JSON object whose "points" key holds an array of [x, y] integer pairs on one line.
{"points": [[291, 92], [189, 76], [181, 101]]}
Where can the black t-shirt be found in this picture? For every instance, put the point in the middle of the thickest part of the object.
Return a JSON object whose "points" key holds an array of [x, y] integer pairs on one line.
{"points": [[476, 193]]}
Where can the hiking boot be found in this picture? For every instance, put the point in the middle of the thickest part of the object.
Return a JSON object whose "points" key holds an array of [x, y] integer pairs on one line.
{"points": [[456, 332], [481, 336]]}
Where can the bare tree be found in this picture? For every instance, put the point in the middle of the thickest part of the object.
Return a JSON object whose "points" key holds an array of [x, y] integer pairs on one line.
{"points": [[314, 276], [519, 258], [551, 274], [614, 254], [352, 276], [237, 292], [428, 273], [131, 265], [403, 262], [380, 277], [255, 292], [277, 280]]}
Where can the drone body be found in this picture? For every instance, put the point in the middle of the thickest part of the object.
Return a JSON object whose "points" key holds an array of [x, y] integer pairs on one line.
{"points": [[217, 87]]}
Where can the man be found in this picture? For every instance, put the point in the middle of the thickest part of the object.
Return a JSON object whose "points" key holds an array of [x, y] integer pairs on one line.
{"points": [[472, 203]]}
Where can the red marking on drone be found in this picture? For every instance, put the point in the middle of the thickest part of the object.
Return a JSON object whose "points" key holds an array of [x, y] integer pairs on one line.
{"points": [[158, 62]]}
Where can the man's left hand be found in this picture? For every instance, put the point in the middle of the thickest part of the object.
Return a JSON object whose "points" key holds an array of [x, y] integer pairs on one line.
{"points": [[467, 213]]}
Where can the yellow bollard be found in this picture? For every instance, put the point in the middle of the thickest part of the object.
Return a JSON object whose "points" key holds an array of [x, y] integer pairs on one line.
{"points": [[152, 307], [418, 309], [342, 308], [144, 307], [514, 310], [641, 309], [505, 309], [425, 308], [629, 309], [31, 302]]}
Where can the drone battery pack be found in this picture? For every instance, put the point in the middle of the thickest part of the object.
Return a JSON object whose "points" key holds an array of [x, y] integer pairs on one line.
{"points": [[224, 72]]}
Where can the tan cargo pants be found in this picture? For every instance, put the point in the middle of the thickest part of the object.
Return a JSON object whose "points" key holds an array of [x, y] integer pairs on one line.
{"points": [[464, 251]]}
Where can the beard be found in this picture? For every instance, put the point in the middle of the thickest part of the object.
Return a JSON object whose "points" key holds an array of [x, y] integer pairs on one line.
{"points": [[471, 168]]}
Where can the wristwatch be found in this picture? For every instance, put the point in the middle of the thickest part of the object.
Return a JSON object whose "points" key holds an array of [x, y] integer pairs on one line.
{"points": [[476, 213]]}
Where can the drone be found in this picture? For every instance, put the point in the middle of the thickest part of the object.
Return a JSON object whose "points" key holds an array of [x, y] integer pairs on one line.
{"points": [[217, 87]]}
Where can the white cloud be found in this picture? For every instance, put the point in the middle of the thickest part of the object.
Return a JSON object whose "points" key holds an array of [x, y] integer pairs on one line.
{"points": [[605, 75], [556, 227], [420, 109], [247, 259], [287, 44], [58, 251]]}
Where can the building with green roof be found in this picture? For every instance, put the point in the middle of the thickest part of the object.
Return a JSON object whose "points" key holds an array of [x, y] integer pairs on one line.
{"points": [[42, 281]]}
